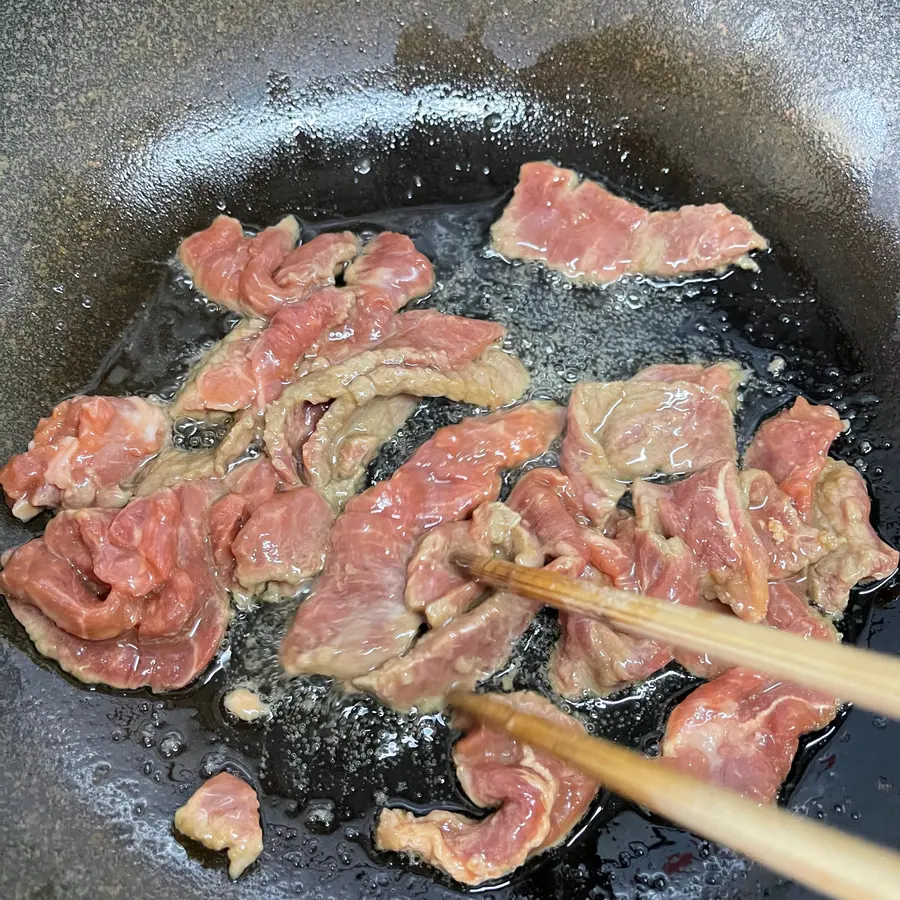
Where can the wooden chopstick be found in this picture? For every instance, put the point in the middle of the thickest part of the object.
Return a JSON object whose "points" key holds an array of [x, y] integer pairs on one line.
{"points": [[824, 859], [864, 677]]}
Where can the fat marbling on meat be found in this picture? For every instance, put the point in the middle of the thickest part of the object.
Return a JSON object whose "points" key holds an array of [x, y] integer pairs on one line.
{"points": [[129, 599], [623, 430], [591, 236], [223, 814], [535, 801], [85, 453], [741, 730], [356, 618]]}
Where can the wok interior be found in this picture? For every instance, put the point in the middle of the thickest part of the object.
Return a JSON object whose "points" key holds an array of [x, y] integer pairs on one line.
{"points": [[676, 114]]}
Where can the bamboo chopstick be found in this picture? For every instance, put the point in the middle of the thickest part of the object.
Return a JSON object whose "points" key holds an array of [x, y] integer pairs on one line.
{"points": [[824, 859], [864, 677]]}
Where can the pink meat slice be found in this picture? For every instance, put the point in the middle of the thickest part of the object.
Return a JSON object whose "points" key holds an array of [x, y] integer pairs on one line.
{"points": [[464, 647], [171, 634], [579, 228], [437, 586], [622, 430], [536, 801], [708, 512], [390, 261], [223, 814], [271, 282], [841, 506], [85, 453], [741, 730], [253, 372], [793, 448], [356, 618], [790, 543], [218, 257], [284, 540]]}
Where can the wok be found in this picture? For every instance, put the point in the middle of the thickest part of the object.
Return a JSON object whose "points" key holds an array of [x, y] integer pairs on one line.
{"points": [[126, 126]]}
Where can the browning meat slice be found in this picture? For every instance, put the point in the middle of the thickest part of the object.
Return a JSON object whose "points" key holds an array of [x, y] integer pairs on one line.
{"points": [[842, 507], [741, 730], [793, 448], [158, 619], [622, 430], [356, 618], [223, 814], [85, 453], [437, 587], [252, 365], [491, 380], [535, 798], [218, 257], [791, 544], [579, 228], [708, 512]]}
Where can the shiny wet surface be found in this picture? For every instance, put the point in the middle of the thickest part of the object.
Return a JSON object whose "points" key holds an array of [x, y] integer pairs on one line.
{"points": [[327, 760]]}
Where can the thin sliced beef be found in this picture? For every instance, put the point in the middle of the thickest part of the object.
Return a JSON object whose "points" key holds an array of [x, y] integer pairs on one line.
{"points": [[793, 448], [284, 540], [791, 545], [347, 438], [439, 588], [159, 619], [721, 378], [622, 430], [741, 730], [85, 453], [579, 228], [223, 814], [491, 380], [390, 261], [356, 618], [594, 657], [252, 365], [171, 467], [217, 259], [842, 507], [303, 271], [463, 647], [535, 798], [708, 512]]}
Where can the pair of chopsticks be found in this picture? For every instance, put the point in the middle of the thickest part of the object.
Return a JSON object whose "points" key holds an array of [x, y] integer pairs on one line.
{"points": [[824, 859]]}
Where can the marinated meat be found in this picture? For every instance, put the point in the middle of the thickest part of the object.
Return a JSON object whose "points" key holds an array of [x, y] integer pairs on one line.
{"points": [[439, 588], [301, 273], [793, 448], [356, 618], [252, 368], [535, 798], [346, 439], [742, 729], [622, 430], [842, 507], [161, 639], [722, 378], [171, 467], [284, 540], [218, 257], [85, 453], [246, 705], [492, 380], [223, 814], [707, 511], [579, 228], [791, 545], [390, 261]]}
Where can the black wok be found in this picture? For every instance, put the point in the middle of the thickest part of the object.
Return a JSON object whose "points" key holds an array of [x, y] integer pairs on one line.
{"points": [[127, 125]]}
